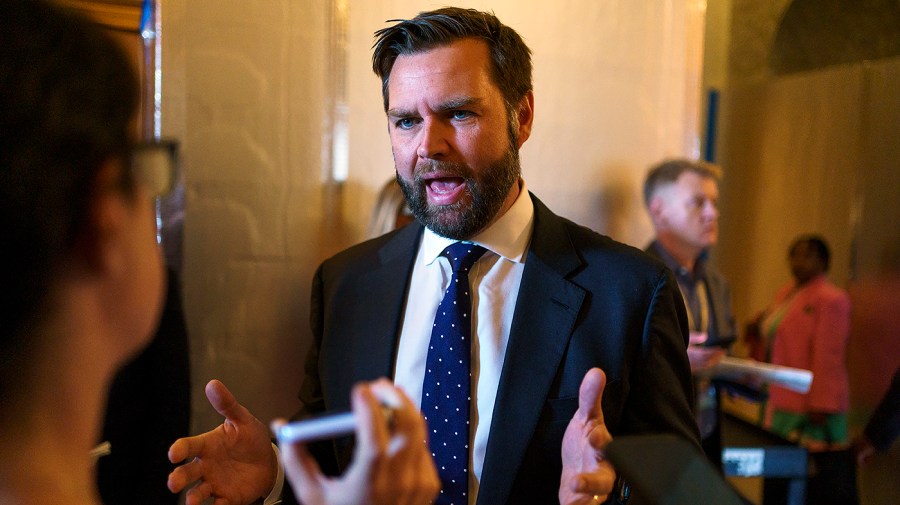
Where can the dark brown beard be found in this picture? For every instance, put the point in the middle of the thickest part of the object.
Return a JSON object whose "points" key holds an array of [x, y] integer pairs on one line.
{"points": [[484, 195]]}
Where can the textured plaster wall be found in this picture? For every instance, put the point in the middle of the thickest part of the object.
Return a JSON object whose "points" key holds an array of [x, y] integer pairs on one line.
{"points": [[242, 89]]}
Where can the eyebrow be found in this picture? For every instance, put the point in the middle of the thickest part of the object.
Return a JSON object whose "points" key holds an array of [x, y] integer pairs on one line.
{"points": [[452, 104]]}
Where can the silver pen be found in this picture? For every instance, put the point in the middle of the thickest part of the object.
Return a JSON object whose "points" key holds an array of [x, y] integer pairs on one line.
{"points": [[324, 427]]}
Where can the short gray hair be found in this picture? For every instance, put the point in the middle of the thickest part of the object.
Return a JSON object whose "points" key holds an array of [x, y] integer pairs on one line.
{"points": [[668, 171]]}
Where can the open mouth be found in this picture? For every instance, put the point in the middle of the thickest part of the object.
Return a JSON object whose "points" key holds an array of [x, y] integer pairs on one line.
{"points": [[445, 190]]}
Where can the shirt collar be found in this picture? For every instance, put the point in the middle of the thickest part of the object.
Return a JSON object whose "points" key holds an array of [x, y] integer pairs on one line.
{"points": [[680, 271], [507, 237]]}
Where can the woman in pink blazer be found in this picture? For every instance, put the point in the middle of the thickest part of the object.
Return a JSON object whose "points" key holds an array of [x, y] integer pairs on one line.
{"points": [[807, 327]]}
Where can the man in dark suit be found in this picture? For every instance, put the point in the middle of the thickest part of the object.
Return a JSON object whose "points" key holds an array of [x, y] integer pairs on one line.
{"points": [[551, 301]]}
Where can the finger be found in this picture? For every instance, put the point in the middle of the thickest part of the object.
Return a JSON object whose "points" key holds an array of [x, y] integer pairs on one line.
{"points": [[198, 494], [598, 438], [424, 471], [401, 425], [294, 454], [406, 438], [175, 482], [178, 450], [598, 482], [225, 403], [303, 465], [412, 468], [185, 474], [697, 337], [386, 393], [301, 468], [186, 448], [276, 425], [590, 395], [372, 431], [408, 419], [407, 447]]}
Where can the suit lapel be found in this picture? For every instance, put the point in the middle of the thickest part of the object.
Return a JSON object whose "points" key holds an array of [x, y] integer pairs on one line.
{"points": [[381, 292], [364, 346], [546, 310]]}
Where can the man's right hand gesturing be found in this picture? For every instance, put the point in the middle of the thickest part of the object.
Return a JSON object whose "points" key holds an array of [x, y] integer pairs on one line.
{"points": [[235, 463]]}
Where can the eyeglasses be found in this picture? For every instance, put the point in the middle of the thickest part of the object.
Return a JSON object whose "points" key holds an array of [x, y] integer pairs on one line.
{"points": [[153, 165]]}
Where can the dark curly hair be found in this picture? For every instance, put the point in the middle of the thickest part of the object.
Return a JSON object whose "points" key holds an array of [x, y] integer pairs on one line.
{"points": [[816, 244]]}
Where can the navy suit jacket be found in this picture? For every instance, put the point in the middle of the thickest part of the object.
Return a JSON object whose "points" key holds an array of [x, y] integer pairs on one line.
{"points": [[585, 301]]}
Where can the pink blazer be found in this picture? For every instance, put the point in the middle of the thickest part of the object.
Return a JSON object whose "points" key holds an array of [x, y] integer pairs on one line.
{"points": [[813, 335]]}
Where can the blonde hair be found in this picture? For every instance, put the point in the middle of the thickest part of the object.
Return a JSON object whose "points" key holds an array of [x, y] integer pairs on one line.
{"points": [[388, 206]]}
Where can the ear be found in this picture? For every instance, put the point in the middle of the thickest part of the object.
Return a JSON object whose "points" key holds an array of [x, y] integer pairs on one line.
{"points": [[525, 117], [99, 240], [656, 208]]}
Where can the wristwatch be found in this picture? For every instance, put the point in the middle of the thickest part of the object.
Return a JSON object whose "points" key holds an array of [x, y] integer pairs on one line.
{"points": [[621, 492]]}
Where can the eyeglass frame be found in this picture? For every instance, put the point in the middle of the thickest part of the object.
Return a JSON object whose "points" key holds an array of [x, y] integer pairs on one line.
{"points": [[157, 174]]}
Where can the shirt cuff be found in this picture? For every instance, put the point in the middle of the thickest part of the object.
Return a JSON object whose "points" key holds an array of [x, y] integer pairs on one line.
{"points": [[274, 497]]}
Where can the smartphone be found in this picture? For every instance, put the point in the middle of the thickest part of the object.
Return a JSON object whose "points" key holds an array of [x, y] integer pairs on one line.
{"points": [[724, 342]]}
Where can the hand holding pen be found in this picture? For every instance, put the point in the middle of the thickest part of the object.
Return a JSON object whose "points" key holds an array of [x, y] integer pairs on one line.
{"points": [[391, 463]]}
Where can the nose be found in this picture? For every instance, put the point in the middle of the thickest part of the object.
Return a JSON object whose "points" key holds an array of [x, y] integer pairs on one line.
{"points": [[432, 140], [711, 209]]}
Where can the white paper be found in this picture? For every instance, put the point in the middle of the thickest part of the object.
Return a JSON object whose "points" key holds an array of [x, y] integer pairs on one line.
{"points": [[101, 450], [795, 379]]}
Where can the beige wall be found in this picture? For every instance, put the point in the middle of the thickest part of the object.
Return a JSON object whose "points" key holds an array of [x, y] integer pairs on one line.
{"points": [[242, 87], [245, 87], [793, 157], [811, 151]]}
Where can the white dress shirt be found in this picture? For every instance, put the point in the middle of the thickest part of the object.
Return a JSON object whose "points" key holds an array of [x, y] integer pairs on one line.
{"points": [[495, 280]]}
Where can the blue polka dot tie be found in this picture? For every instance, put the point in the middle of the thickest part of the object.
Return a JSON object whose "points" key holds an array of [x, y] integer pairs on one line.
{"points": [[445, 391]]}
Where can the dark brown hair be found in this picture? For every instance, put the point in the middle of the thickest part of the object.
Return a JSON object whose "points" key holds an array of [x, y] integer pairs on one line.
{"points": [[510, 57], [68, 96]]}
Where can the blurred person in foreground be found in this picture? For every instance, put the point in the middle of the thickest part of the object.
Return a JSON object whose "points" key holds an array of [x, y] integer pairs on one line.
{"points": [[877, 451], [874, 370], [83, 277], [883, 427], [571, 338], [81, 273], [682, 197]]}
